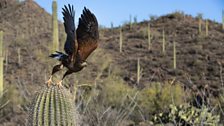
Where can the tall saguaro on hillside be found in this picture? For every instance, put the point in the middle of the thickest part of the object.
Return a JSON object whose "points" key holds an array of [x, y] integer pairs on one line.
{"points": [[1, 63], [55, 26], [222, 19]]}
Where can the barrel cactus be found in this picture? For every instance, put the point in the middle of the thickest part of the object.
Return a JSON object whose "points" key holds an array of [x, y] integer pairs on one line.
{"points": [[52, 107]]}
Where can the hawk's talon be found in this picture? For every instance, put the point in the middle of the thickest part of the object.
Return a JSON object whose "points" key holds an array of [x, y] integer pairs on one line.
{"points": [[59, 84], [49, 82]]}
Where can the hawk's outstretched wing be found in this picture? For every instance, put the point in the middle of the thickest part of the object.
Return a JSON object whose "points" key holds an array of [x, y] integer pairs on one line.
{"points": [[71, 44], [87, 34]]}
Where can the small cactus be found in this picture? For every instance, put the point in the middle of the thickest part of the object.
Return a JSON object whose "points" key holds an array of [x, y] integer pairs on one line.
{"points": [[1, 76], [121, 39], [149, 37], [222, 19], [112, 25], [1, 63], [52, 107], [1, 44], [19, 56], [199, 23], [130, 21], [206, 28], [199, 26], [139, 71], [174, 55], [164, 42]]}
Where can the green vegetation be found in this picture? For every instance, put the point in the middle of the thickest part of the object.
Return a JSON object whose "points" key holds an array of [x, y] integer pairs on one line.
{"points": [[52, 107], [182, 115], [221, 106], [55, 26], [159, 96], [1, 64]]}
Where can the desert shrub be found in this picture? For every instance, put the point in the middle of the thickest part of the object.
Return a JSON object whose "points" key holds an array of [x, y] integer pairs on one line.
{"points": [[3, 101], [15, 98], [107, 103], [221, 107], [113, 102], [158, 97], [185, 115], [116, 90]]}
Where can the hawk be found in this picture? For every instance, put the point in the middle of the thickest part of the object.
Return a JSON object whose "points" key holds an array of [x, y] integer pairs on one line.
{"points": [[80, 42]]}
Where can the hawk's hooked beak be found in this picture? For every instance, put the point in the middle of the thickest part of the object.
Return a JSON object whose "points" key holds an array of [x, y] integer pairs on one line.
{"points": [[84, 64]]}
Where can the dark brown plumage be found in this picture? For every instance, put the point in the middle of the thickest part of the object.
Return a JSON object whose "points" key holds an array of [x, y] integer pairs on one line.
{"points": [[79, 43]]}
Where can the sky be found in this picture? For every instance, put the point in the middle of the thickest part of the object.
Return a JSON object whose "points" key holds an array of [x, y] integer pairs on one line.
{"points": [[119, 11]]}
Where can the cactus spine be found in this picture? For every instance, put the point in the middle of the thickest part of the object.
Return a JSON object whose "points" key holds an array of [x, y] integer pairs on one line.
{"points": [[149, 37], [121, 39], [52, 107], [1, 63], [55, 26], [206, 28], [164, 42]]}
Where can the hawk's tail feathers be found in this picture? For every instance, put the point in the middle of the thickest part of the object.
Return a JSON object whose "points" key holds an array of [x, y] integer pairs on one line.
{"points": [[59, 56]]}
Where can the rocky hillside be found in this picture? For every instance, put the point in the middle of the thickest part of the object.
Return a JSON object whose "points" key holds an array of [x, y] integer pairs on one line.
{"points": [[199, 57]]}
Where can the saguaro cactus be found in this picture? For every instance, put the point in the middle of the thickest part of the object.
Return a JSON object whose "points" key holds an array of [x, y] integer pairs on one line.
{"points": [[164, 42], [112, 25], [55, 26], [206, 28], [174, 55], [1, 43], [149, 37], [52, 107], [121, 39], [199, 23], [223, 19], [130, 21], [139, 71], [19, 56], [1, 63]]}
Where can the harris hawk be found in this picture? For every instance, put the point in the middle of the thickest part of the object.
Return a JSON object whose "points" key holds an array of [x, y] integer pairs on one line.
{"points": [[80, 42]]}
